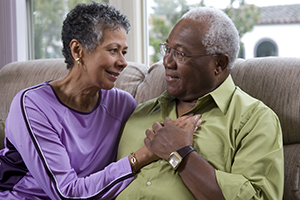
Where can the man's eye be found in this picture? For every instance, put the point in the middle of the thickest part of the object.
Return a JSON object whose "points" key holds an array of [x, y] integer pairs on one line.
{"points": [[124, 53], [167, 49], [179, 53]]}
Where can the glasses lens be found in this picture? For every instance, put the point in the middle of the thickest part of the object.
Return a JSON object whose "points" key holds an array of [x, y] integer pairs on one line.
{"points": [[179, 56], [162, 48]]}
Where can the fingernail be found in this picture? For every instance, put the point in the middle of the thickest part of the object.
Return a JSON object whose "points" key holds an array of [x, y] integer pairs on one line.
{"points": [[199, 122]]}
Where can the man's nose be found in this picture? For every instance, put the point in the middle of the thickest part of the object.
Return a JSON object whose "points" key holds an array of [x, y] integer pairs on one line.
{"points": [[169, 60]]}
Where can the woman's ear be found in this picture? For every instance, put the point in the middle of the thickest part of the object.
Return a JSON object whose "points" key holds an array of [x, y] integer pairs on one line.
{"points": [[222, 62], [76, 49]]}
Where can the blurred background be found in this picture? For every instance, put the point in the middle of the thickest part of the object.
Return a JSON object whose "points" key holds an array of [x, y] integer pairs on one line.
{"points": [[30, 29]]}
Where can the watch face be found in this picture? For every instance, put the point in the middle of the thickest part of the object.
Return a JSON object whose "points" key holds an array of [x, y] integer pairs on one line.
{"points": [[174, 160]]}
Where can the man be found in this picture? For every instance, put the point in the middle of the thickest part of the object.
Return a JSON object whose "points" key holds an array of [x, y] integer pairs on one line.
{"points": [[236, 153]]}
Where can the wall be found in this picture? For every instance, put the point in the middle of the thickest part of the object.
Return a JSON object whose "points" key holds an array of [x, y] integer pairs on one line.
{"points": [[286, 36], [13, 32]]}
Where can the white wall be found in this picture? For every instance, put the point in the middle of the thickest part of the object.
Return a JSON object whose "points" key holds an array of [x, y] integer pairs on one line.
{"points": [[286, 37], [22, 39]]}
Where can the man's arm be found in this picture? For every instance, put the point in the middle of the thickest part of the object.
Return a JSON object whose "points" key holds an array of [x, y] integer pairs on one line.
{"points": [[257, 165], [197, 174]]}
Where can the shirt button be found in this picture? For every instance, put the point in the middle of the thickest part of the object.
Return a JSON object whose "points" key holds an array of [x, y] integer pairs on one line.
{"points": [[148, 183], [161, 162]]}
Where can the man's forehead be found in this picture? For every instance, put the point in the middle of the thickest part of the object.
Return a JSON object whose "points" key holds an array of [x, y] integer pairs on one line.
{"points": [[187, 33]]}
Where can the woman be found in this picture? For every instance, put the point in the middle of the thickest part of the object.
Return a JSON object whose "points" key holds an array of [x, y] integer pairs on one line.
{"points": [[62, 135]]}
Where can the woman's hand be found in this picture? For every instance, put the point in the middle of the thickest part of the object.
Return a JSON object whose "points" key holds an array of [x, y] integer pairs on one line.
{"points": [[143, 157], [182, 121]]}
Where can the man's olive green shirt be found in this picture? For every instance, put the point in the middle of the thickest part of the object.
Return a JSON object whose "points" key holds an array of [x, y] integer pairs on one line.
{"points": [[240, 137]]}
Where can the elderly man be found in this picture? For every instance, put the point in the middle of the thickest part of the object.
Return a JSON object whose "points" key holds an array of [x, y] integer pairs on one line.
{"points": [[236, 153]]}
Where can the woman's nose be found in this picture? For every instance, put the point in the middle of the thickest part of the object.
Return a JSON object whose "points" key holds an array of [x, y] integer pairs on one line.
{"points": [[122, 62]]}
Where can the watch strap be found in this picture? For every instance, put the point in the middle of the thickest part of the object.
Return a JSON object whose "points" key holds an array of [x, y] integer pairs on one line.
{"points": [[183, 152]]}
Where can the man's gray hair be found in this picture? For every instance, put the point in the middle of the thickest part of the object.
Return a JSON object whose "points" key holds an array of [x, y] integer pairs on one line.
{"points": [[222, 35]]}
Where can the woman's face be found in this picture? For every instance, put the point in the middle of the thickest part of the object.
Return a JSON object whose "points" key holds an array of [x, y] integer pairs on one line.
{"points": [[103, 65]]}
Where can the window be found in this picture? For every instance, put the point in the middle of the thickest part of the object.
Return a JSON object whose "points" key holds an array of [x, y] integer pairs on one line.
{"points": [[266, 48], [47, 19]]}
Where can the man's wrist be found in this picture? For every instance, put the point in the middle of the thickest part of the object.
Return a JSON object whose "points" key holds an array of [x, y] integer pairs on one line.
{"points": [[176, 157]]}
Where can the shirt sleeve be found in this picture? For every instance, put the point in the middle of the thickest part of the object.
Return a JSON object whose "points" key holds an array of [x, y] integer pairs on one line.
{"points": [[257, 167], [48, 162]]}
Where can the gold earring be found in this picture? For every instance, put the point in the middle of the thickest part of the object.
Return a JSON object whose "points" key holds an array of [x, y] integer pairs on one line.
{"points": [[78, 62]]}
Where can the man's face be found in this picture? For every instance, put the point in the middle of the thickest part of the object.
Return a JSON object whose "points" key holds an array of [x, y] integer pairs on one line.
{"points": [[196, 76]]}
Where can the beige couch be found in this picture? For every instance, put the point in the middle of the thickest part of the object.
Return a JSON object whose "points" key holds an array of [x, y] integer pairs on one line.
{"points": [[275, 81]]}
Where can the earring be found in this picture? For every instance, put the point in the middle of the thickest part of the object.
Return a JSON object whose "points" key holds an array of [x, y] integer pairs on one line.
{"points": [[78, 62]]}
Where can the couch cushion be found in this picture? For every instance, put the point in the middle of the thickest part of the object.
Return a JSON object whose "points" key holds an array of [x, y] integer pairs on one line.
{"points": [[276, 82], [131, 77], [153, 85]]}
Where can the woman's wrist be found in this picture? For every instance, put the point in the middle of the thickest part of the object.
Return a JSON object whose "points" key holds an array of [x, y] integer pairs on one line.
{"points": [[133, 162], [140, 158]]}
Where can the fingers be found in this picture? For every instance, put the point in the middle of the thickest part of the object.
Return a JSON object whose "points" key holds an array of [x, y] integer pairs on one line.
{"points": [[194, 123], [157, 126], [182, 120]]}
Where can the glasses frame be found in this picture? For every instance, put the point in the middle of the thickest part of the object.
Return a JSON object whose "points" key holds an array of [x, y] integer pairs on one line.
{"points": [[164, 52]]}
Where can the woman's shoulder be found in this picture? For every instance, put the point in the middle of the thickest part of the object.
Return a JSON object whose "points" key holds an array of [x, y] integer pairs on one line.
{"points": [[117, 100], [116, 93], [33, 90]]}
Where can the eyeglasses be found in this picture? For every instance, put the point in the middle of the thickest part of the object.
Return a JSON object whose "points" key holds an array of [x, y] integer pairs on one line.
{"points": [[179, 56]]}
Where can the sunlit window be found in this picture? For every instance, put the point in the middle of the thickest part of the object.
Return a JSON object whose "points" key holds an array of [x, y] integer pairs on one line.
{"points": [[47, 17]]}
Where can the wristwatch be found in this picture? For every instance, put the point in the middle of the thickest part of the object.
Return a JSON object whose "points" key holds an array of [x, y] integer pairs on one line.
{"points": [[176, 157]]}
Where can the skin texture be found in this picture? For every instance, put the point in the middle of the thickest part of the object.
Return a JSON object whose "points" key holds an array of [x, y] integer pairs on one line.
{"points": [[189, 81], [96, 70]]}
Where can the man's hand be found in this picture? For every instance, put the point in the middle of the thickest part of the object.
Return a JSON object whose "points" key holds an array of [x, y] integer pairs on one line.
{"points": [[172, 135]]}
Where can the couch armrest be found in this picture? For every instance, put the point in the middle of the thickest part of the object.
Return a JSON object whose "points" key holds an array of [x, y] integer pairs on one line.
{"points": [[291, 171]]}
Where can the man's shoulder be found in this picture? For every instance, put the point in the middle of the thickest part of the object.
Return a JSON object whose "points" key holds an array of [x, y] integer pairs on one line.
{"points": [[250, 104]]}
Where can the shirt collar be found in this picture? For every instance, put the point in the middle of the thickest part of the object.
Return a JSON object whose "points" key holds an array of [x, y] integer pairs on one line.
{"points": [[221, 95]]}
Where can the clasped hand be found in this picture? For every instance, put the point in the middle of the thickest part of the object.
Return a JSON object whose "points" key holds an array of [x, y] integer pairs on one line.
{"points": [[170, 136]]}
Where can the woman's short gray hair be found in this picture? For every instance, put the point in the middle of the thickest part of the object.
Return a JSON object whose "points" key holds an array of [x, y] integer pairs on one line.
{"points": [[222, 35], [86, 23]]}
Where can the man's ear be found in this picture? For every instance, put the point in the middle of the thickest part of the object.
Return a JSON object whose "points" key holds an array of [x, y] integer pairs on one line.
{"points": [[76, 49], [222, 62]]}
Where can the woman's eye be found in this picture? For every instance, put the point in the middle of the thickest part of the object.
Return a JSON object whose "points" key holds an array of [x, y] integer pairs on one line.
{"points": [[113, 51]]}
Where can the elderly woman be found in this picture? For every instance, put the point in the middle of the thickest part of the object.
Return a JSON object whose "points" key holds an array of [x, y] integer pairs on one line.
{"points": [[62, 135]]}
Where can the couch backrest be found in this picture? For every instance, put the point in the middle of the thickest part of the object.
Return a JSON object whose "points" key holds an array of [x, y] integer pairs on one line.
{"points": [[16, 76], [20, 75], [275, 81]]}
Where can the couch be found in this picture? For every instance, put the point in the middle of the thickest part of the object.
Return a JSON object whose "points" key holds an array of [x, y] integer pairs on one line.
{"points": [[274, 80]]}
